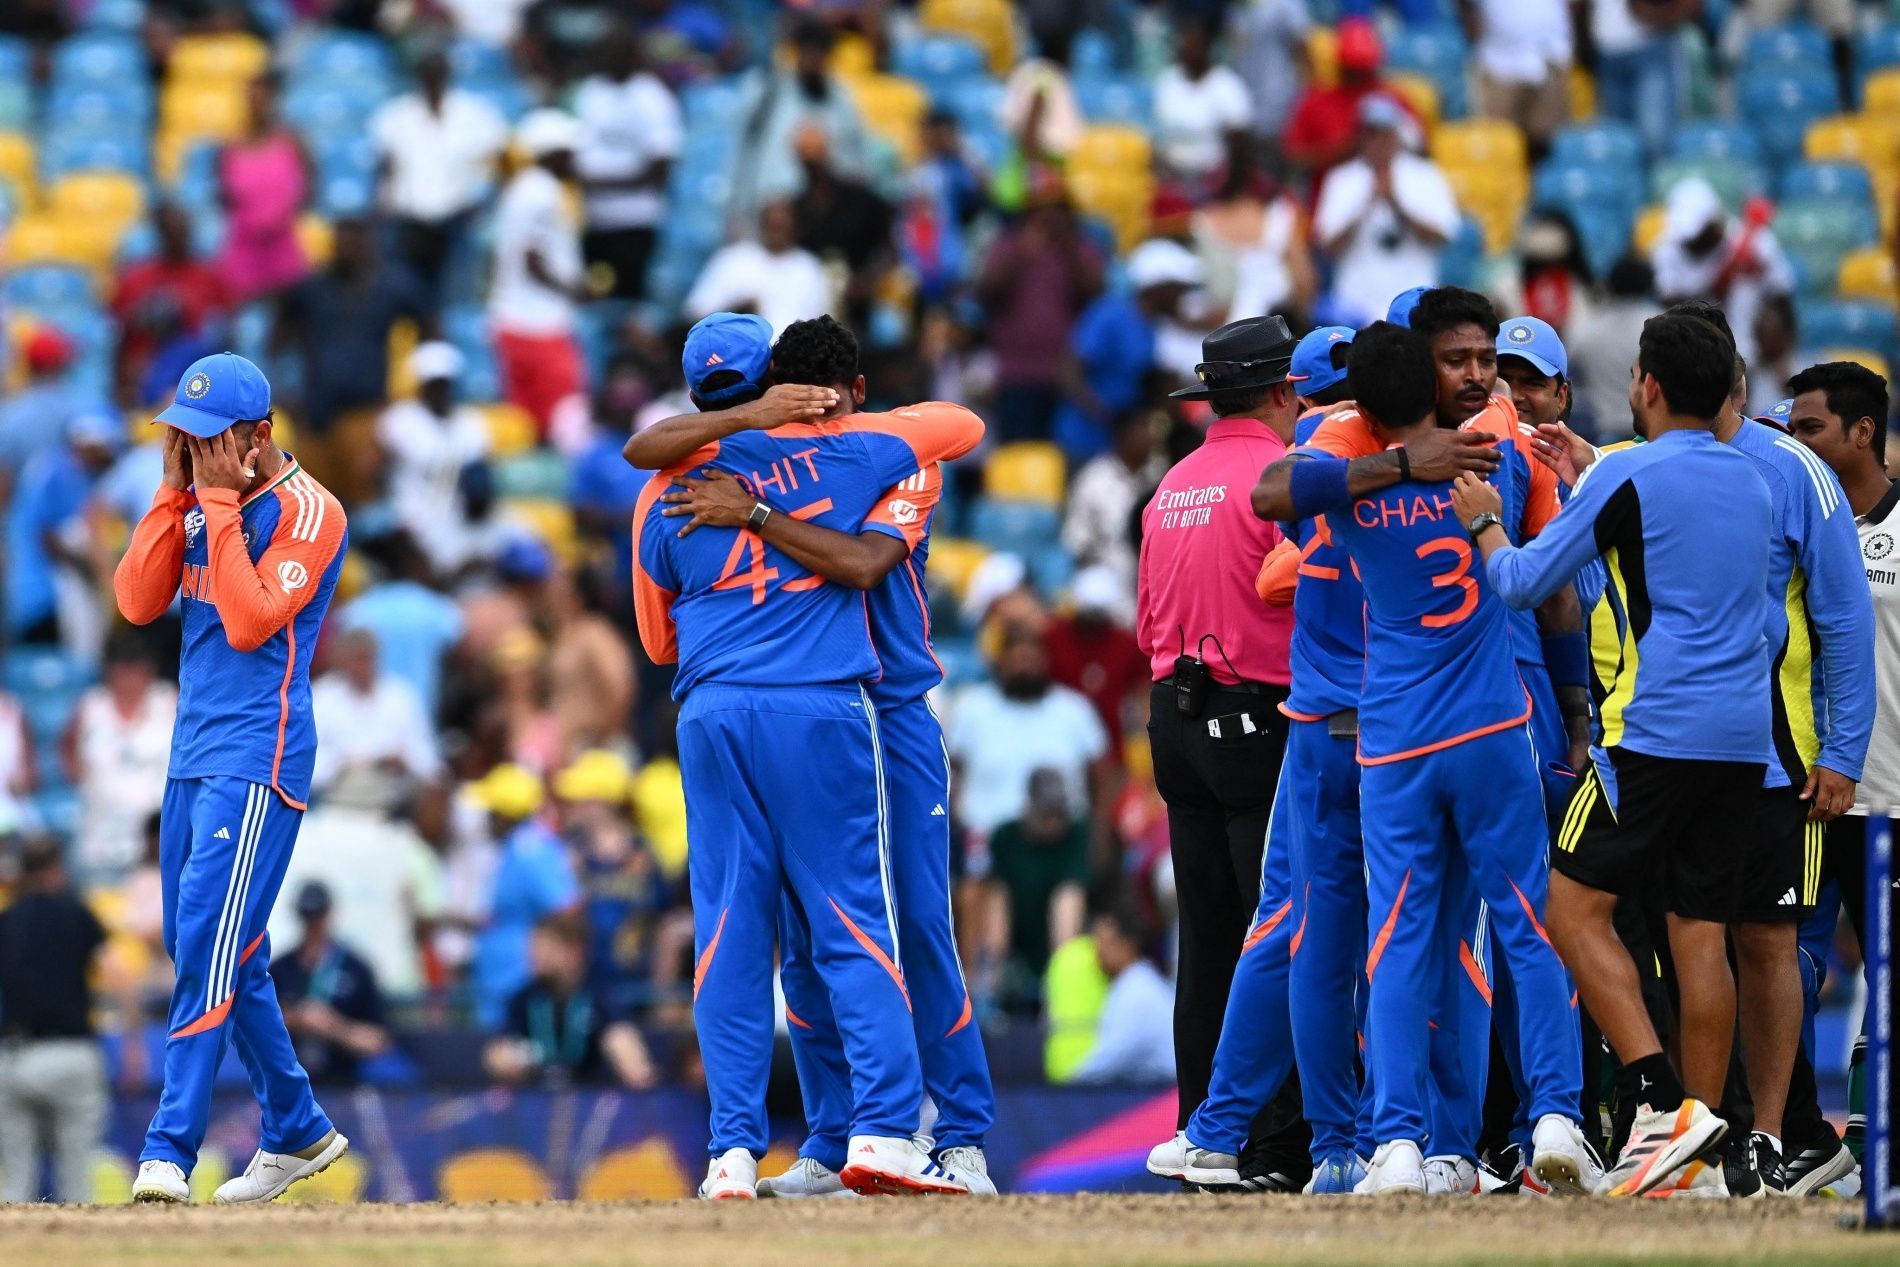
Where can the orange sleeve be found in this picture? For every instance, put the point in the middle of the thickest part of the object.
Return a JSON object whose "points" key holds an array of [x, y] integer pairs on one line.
{"points": [[904, 510], [1545, 499], [1279, 574], [936, 431], [1344, 435], [653, 602], [147, 577], [256, 600]]}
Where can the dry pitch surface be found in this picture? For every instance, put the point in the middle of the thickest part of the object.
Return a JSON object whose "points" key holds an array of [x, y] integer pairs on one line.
{"points": [[1087, 1231]]}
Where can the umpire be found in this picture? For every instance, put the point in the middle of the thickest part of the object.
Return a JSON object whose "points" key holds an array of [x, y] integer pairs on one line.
{"points": [[1219, 662]]}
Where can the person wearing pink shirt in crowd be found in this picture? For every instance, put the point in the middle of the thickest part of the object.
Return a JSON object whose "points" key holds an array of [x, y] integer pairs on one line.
{"points": [[264, 181]]}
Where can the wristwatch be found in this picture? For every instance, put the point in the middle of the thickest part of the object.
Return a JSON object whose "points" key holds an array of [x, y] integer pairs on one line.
{"points": [[762, 512], [1480, 521]]}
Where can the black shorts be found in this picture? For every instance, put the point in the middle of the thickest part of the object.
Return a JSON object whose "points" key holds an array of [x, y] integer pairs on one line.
{"points": [[1672, 830], [1780, 861]]}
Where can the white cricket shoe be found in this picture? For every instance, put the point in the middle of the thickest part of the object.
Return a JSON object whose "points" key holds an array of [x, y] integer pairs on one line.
{"points": [[1561, 1158], [1451, 1176], [1177, 1158], [270, 1173], [731, 1176], [1396, 1168], [808, 1177], [967, 1162], [161, 1182], [891, 1166]]}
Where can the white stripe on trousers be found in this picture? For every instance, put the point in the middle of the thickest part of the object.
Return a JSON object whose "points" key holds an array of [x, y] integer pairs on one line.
{"points": [[224, 946], [883, 829]]}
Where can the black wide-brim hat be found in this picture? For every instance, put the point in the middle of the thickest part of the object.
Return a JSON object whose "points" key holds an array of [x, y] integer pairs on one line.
{"points": [[1243, 355]]}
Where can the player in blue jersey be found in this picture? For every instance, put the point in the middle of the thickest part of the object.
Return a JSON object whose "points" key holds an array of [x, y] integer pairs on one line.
{"points": [[1449, 783], [1682, 653], [775, 664], [255, 546], [886, 559]]}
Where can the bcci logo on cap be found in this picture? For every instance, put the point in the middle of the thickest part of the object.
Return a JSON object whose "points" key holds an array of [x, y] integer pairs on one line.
{"points": [[196, 386], [1519, 334], [292, 575]]}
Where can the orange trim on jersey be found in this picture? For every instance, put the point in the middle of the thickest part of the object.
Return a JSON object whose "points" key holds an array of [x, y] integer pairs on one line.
{"points": [[288, 469], [1266, 927], [1454, 741], [706, 956], [1299, 934], [653, 602], [963, 1018], [1385, 930], [1472, 970], [209, 1021], [923, 609], [795, 1019], [934, 430], [1287, 712], [283, 707], [875, 951]]}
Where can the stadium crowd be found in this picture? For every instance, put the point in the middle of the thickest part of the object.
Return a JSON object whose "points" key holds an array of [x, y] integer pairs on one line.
{"points": [[466, 237]]}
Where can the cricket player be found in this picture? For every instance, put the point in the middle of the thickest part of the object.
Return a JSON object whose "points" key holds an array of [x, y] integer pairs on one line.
{"points": [[255, 546], [885, 559], [784, 765]]}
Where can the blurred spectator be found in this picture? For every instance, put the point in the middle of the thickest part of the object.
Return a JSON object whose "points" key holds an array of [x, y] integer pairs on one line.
{"points": [[632, 135], [659, 802], [627, 898], [1116, 345], [1134, 1039], [1093, 651], [1382, 217], [1040, 862], [1554, 267], [493, 22], [51, 565], [842, 221], [773, 277], [602, 487], [264, 180], [1107, 494], [1523, 54], [53, 1099], [559, 37], [436, 150], [1001, 599], [1021, 721], [157, 299], [781, 102], [1324, 129], [368, 719], [1705, 253], [591, 684], [415, 626], [1267, 45], [1642, 69], [331, 1002], [1774, 361], [1252, 242], [1037, 278], [1073, 992], [1200, 107], [34, 418], [427, 446], [558, 1029], [341, 318], [1602, 347], [538, 275], [1041, 116], [492, 614], [943, 194], [116, 750], [1054, 24], [19, 768], [533, 879]]}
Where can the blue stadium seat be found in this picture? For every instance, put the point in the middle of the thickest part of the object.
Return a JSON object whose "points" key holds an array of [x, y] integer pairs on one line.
{"points": [[1115, 99], [976, 102], [1606, 143], [98, 57], [1792, 43], [1604, 231], [343, 57], [1837, 323], [28, 671], [1779, 109], [1440, 54], [58, 810], [1875, 48], [16, 105], [1051, 568], [1565, 186], [1816, 233], [44, 286], [1462, 259], [16, 59], [1838, 182], [115, 15], [197, 185], [1715, 139], [1092, 52], [320, 109], [939, 62], [715, 103], [83, 149], [507, 97], [1022, 528], [95, 104], [476, 61]]}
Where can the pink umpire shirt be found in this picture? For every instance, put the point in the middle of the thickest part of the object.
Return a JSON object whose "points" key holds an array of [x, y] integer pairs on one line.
{"points": [[1201, 549]]}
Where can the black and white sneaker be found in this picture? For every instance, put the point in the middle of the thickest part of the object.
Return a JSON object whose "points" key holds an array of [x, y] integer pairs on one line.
{"points": [[1812, 1167], [1741, 1169], [1768, 1165]]}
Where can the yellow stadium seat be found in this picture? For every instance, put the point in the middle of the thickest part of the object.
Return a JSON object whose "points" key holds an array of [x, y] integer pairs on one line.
{"points": [[953, 561], [990, 23], [1880, 99], [1849, 138], [1494, 198], [853, 57], [492, 1174], [1494, 143], [1419, 93], [341, 1184], [1583, 94], [511, 429], [1859, 356], [111, 197], [1649, 226], [1868, 274], [1108, 147], [1322, 55], [1031, 470], [17, 167], [206, 109], [894, 109], [231, 57], [1123, 200], [646, 1172], [42, 237]]}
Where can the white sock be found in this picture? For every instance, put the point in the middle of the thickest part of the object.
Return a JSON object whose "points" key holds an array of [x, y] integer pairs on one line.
{"points": [[1772, 1140]]}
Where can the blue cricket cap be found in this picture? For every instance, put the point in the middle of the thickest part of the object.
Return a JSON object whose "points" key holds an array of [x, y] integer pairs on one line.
{"points": [[1779, 415], [217, 392], [1400, 313], [1534, 341], [727, 341], [1317, 359]]}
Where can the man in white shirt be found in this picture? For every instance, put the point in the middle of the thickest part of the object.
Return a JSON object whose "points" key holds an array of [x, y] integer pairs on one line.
{"points": [[1134, 1037], [631, 135], [436, 149], [1199, 107], [1705, 253], [773, 277], [1268, 43], [1105, 496], [1642, 72], [428, 445], [1382, 217], [368, 720], [1524, 55], [539, 279]]}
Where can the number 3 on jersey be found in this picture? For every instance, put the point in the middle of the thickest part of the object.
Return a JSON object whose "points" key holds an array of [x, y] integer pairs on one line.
{"points": [[1457, 574]]}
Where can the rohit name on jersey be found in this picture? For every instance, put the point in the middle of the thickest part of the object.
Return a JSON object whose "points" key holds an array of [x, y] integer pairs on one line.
{"points": [[1401, 511]]}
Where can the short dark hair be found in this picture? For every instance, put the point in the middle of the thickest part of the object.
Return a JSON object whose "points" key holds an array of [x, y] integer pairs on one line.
{"points": [[1691, 360], [1342, 390], [1445, 308], [1390, 372], [816, 353], [1852, 391], [1243, 403], [1704, 310]]}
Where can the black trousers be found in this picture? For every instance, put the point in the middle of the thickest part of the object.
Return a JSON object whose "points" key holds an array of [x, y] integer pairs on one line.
{"points": [[1219, 793]]}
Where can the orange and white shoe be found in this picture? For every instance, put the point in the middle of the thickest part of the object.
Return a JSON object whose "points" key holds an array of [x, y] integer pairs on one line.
{"points": [[884, 1165], [1697, 1179], [731, 1176], [1662, 1144]]}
